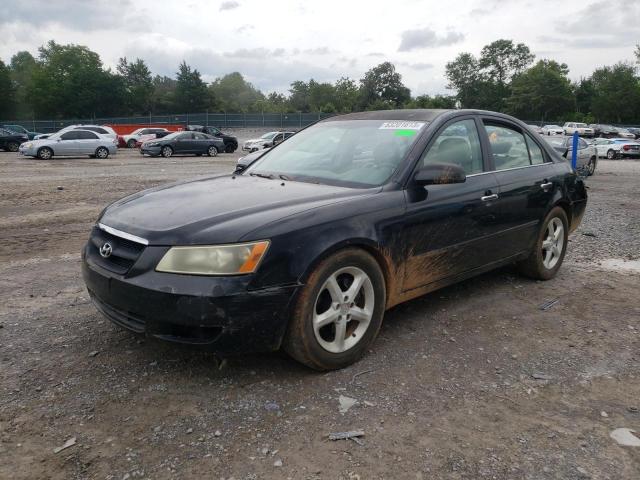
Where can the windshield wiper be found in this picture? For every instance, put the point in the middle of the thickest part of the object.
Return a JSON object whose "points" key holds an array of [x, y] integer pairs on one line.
{"points": [[262, 175], [284, 177]]}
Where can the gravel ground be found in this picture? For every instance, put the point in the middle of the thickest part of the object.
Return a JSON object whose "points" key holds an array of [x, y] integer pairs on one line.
{"points": [[473, 381]]}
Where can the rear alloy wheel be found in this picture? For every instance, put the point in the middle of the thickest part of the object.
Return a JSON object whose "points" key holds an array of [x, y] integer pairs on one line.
{"points": [[611, 154], [338, 312], [45, 153], [591, 167], [546, 258], [131, 143], [212, 151], [13, 146], [167, 151], [102, 153]]}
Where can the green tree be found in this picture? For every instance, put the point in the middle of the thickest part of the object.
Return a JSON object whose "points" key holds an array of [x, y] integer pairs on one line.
{"points": [[584, 92], [70, 82], [427, 101], [616, 94], [299, 96], [7, 93], [382, 87], [163, 99], [191, 93], [138, 85], [542, 92], [232, 93], [346, 95], [465, 78], [501, 60], [22, 67], [321, 95]]}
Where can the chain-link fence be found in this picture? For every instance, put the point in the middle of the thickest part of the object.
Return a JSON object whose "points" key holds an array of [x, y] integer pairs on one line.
{"points": [[222, 120]]}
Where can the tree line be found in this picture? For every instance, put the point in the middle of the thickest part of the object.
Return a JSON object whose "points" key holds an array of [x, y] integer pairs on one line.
{"points": [[70, 81]]}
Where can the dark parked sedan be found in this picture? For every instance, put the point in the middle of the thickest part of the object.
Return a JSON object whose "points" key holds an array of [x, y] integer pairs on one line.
{"points": [[308, 246], [183, 143], [10, 141], [230, 142]]}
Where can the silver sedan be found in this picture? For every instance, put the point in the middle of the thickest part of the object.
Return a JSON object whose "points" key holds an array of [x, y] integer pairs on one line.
{"points": [[70, 143]]}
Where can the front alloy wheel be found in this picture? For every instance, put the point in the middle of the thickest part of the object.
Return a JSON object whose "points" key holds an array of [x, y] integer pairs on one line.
{"points": [[611, 154], [167, 151], [338, 312]]}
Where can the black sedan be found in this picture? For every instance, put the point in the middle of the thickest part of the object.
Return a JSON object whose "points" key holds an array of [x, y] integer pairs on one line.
{"points": [[230, 142], [183, 143], [10, 141], [307, 247]]}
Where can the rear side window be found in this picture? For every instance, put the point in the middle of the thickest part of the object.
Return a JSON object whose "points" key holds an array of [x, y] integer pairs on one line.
{"points": [[508, 146], [458, 144], [84, 135], [537, 157]]}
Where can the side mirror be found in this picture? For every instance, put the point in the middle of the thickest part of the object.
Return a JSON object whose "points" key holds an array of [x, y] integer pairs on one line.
{"points": [[440, 174]]}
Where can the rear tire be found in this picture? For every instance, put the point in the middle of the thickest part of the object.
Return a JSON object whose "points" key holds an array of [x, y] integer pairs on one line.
{"points": [[333, 322], [131, 143], [591, 167], [45, 153], [551, 245], [166, 151], [212, 151], [102, 153]]}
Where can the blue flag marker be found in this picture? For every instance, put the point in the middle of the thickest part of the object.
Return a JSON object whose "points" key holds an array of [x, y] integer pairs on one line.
{"points": [[574, 152]]}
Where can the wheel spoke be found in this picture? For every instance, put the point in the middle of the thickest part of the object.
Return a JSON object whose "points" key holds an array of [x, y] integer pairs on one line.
{"points": [[547, 258], [355, 287], [334, 289], [557, 234], [325, 318], [359, 314], [341, 331], [547, 244], [556, 251]]}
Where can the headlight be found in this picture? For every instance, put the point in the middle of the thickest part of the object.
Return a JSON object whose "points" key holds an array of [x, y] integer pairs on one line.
{"points": [[214, 260], [28, 145], [152, 144]]}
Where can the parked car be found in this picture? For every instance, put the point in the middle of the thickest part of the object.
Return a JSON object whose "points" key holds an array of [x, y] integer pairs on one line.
{"points": [[552, 130], [10, 141], [102, 130], [613, 148], [604, 131], [265, 141], [309, 246], [535, 128], [635, 131], [230, 142], [74, 142], [583, 129], [20, 129], [143, 134], [625, 133], [587, 158], [193, 143], [244, 162]]}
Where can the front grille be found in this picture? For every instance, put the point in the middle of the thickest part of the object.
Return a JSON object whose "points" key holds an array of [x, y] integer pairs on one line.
{"points": [[124, 252]]}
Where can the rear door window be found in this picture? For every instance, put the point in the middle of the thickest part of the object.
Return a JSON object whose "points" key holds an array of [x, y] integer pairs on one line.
{"points": [[535, 152], [85, 135], [508, 146]]}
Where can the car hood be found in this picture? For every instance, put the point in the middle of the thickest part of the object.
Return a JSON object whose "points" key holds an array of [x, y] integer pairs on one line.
{"points": [[255, 140], [219, 209]]}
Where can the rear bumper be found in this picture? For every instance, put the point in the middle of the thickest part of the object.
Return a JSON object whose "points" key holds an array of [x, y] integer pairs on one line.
{"points": [[212, 313]]}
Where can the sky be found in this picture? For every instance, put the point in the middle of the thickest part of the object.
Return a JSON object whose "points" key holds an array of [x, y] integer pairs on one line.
{"points": [[273, 43]]}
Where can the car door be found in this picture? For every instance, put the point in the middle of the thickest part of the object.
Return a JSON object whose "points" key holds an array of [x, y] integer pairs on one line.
{"points": [[184, 143], [448, 228], [527, 179], [201, 142], [87, 142], [67, 144]]}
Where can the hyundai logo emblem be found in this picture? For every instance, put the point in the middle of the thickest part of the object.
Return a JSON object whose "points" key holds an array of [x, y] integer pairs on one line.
{"points": [[105, 250]]}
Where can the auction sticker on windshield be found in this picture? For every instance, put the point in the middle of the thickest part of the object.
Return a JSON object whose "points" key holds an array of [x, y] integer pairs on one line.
{"points": [[401, 126]]}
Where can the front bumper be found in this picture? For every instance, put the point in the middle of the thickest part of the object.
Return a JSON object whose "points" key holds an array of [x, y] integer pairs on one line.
{"points": [[213, 313], [150, 150]]}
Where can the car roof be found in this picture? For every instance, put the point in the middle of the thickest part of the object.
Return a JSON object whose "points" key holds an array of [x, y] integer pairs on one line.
{"points": [[425, 115]]}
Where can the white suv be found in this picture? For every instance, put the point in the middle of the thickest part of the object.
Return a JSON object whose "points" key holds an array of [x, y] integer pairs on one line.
{"points": [[582, 128]]}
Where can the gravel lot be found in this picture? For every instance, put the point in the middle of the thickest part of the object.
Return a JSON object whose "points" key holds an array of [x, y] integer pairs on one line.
{"points": [[473, 381]]}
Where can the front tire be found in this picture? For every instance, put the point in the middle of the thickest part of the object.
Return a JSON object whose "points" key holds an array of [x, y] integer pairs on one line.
{"points": [[166, 151], [229, 148], [611, 154], [131, 143], [338, 312], [551, 245], [45, 153], [13, 146]]}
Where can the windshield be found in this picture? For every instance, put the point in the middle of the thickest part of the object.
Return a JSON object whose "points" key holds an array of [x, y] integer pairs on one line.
{"points": [[269, 135], [357, 153], [581, 125]]}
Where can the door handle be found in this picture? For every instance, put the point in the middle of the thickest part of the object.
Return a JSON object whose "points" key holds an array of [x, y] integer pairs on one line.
{"points": [[488, 198], [546, 186]]}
